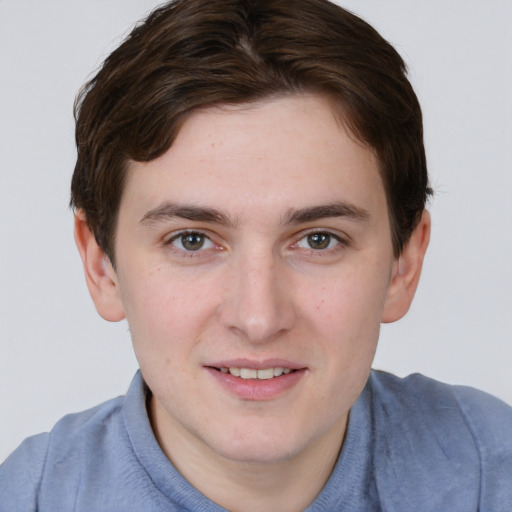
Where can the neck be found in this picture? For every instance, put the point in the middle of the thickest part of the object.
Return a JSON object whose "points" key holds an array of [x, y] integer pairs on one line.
{"points": [[288, 486]]}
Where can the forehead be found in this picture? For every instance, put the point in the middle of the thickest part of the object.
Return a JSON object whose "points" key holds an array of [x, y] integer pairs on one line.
{"points": [[267, 155]]}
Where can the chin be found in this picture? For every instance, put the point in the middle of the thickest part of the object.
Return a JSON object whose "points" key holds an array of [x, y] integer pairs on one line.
{"points": [[256, 453], [261, 445]]}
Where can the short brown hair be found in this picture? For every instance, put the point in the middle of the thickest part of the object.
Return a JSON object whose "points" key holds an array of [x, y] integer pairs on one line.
{"points": [[191, 54]]}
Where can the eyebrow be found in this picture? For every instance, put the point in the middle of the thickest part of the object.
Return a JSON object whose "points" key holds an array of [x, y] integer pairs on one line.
{"points": [[168, 211], [338, 209]]}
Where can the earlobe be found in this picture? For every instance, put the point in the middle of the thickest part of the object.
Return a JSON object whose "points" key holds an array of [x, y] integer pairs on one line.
{"points": [[99, 274], [407, 271]]}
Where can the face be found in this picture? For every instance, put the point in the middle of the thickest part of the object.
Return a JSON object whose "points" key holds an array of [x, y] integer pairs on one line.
{"points": [[253, 264]]}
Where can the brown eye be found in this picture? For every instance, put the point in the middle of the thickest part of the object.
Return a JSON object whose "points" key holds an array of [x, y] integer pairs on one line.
{"points": [[319, 240], [193, 241]]}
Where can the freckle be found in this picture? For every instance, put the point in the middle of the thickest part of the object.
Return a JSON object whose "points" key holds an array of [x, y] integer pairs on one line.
{"points": [[168, 361]]}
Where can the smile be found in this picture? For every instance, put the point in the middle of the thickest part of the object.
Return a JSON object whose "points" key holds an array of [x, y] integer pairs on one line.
{"points": [[249, 373], [257, 381]]}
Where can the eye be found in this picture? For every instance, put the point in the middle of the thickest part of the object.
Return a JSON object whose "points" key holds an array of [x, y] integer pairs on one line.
{"points": [[318, 241], [191, 241]]}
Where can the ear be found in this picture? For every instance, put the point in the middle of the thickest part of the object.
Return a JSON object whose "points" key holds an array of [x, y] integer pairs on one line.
{"points": [[99, 273], [406, 272]]}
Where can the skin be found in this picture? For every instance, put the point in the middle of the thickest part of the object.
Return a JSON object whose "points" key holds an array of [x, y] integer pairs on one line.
{"points": [[270, 276]]}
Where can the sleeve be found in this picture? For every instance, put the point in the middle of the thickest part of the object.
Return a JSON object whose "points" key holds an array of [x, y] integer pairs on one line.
{"points": [[21, 473], [490, 421]]}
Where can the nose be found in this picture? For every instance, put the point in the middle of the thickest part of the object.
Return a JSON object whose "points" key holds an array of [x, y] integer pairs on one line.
{"points": [[258, 303]]}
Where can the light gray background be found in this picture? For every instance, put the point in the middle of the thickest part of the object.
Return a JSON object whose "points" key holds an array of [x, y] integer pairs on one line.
{"points": [[58, 356]]}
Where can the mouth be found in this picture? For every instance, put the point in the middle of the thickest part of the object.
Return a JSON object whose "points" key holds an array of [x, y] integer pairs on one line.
{"points": [[251, 373], [257, 381]]}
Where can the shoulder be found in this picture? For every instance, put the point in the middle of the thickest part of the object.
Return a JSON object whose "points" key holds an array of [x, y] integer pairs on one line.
{"points": [[453, 442], [20, 475], [86, 423], [488, 418], [420, 398], [51, 455]]}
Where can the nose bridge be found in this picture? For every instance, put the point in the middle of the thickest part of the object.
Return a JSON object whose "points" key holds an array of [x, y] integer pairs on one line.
{"points": [[259, 305]]}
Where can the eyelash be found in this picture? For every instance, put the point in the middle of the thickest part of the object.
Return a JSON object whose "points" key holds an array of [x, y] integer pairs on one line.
{"points": [[183, 250], [341, 243]]}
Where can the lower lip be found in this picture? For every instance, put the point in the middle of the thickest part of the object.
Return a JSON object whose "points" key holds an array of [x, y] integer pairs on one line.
{"points": [[256, 389]]}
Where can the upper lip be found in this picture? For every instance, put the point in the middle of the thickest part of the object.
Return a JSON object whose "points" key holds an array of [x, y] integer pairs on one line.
{"points": [[255, 365]]}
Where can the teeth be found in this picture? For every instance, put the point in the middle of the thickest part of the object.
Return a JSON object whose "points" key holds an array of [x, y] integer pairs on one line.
{"points": [[265, 374], [235, 372], [249, 373]]}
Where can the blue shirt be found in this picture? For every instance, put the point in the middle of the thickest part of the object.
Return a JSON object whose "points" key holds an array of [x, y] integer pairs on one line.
{"points": [[412, 445]]}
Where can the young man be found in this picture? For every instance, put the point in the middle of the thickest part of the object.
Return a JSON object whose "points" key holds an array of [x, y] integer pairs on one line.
{"points": [[250, 195]]}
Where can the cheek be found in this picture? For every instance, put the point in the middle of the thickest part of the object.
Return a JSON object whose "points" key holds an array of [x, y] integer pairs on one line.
{"points": [[351, 301], [165, 320], [345, 316], [162, 308], [147, 282]]}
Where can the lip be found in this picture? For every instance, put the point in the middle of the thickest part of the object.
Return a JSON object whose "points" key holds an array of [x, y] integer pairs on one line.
{"points": [[256, 365], [255, 389]]}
